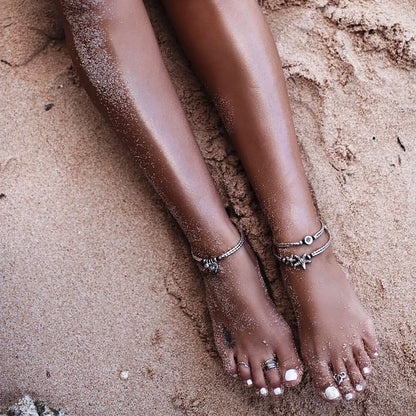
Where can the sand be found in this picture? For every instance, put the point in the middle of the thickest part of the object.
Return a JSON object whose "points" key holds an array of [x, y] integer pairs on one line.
{"points": [[95, 276]]}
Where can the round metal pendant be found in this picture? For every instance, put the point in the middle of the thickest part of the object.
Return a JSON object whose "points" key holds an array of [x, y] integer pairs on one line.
{"points": [[308, 240]]}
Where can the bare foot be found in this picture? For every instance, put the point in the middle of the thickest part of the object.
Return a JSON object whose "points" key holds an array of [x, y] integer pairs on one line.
{"points": [[336, 333], [247, 328]]}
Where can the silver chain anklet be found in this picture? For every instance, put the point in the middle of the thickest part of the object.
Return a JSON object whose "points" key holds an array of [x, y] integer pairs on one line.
{"points": [[295, 261], [210, 264], [308, 239]]}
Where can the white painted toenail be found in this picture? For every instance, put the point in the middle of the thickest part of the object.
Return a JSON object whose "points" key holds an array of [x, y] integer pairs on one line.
{"points": [[277, 391], [359, 387], [366, 370], [291, 375], [331, 393], [349, 396], [263, 391], [376, 354], [249, 382], [124, 375]]}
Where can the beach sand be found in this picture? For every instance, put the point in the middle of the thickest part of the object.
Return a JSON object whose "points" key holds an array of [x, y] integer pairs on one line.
{"points": [[95, 276]]}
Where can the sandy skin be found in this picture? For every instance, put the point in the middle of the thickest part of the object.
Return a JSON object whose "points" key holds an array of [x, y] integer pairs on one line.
{"points": [[125, 86], [371, 204], [336, 334], [248, 330], [260, 124]]}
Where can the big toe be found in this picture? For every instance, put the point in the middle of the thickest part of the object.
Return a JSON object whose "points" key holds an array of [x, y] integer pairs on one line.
{"points": [[323, 380], [290, 366]]}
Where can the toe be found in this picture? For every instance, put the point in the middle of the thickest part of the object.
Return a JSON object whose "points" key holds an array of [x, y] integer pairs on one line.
{"points": [[258, 376], [342, 379], [370, 341], [290, 366], [225, 352], [324, 381], [363, 361], [273, 381], [356, 379], [292, 375], [272, 378], [243, 368], [229, 362]]}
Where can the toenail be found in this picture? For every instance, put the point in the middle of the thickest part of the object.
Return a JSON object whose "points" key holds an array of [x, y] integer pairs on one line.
{"points": [[277, 391], [366, 370], [263, 391], [291, 375], [124, 375], [249, 382], [359, 387], [235, 375], [375, 354], [332, 393], [349, 396]]}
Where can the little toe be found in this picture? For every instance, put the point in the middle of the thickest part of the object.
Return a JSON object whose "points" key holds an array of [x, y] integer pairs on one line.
{"points": [[363, 361], [229, 363], [356, 378], [228, 360], [343, 381], [225, 351], [243, 368], [259, 380], [370, 341], [324, 382]]}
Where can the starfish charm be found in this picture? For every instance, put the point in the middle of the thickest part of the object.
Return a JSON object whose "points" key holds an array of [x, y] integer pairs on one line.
{"points": [[302, 260]]}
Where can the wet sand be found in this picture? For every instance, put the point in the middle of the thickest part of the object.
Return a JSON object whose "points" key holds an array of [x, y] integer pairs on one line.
{"points": [[97, 279]]}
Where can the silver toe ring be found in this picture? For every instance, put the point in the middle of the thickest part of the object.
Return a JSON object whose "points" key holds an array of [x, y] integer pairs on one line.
{"points": [[269, 364], [244, 364], [340, 377]]}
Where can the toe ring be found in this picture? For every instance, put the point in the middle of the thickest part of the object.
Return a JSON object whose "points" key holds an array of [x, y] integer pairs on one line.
{"points": [[269, 364], [340, 377], [244, 364]]}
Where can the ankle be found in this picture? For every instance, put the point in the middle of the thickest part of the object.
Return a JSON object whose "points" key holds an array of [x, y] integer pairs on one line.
{"points": [[301, 252], [214, 239], [290, 229]]}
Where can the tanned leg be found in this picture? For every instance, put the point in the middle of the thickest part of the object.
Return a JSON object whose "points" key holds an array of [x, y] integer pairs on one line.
{"points": [[233, 51], [117, 57]]}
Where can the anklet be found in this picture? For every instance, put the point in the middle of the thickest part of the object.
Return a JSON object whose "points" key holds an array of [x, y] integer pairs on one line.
{"points": [[308, 239], [210, 264], [295, 261]]}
